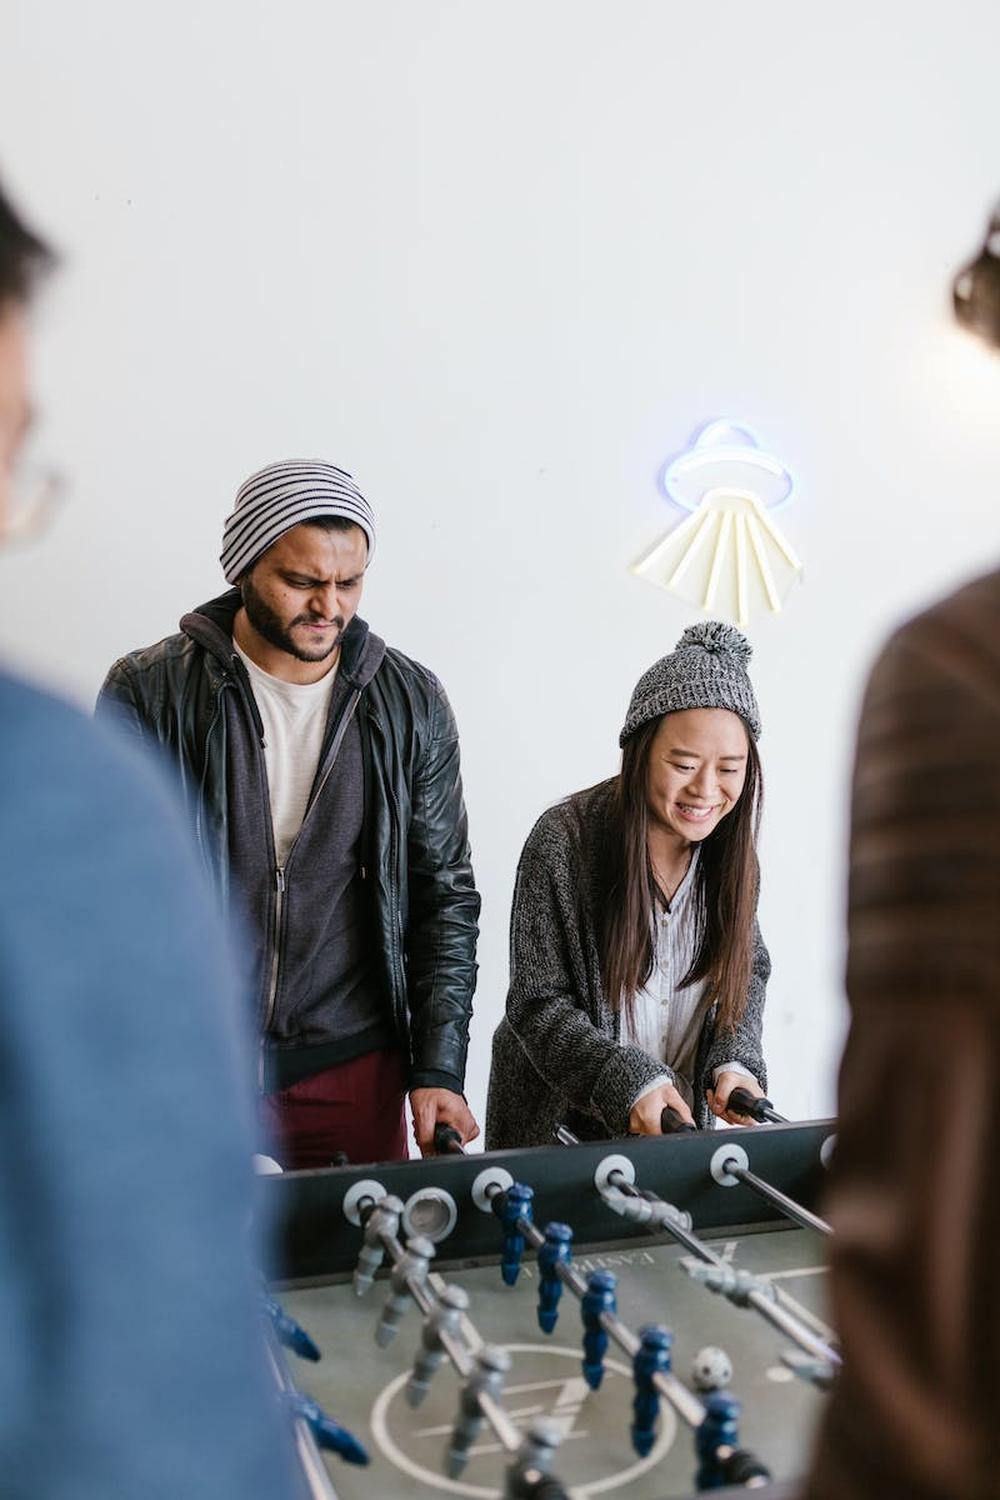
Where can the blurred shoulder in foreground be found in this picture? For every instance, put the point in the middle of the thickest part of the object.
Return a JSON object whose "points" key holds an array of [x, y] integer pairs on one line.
{"points": [[916, 1182], [132, 1361]]}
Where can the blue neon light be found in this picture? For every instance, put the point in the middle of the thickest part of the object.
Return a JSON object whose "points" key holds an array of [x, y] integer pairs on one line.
{"points": [[725, 442]]}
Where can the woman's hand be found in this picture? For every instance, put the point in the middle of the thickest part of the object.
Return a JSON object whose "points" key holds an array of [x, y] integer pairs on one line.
{"points": [[724, 1085], [644, 1116]]}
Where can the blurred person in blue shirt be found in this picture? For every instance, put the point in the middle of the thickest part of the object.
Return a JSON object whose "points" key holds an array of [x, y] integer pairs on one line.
{"points": [[132, 1357]]}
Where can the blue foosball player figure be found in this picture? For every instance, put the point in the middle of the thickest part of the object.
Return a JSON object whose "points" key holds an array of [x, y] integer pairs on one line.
{"points": [[556, 1251], [651, 1358], [720, 1461], [327, 1430], [515, 1205], [287, 1331], [716, 1439], [597, 1299]]}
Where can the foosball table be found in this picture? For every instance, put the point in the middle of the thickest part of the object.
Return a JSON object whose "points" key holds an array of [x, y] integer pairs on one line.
{"points": [[644, 1317]]}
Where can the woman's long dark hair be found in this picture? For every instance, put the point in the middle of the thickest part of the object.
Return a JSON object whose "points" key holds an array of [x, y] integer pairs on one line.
{"points": [[727, 883]]}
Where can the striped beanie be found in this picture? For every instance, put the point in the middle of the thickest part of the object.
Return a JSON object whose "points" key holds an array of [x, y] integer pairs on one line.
{"points": [[281, 496]]}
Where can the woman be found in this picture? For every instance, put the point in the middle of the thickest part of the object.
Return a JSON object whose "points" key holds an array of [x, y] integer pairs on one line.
{"points": [[637, 968]]}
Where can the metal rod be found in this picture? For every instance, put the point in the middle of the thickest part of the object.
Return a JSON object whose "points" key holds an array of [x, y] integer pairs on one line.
{"points": [[788, 1206], [778, 1317], [772, 1312], [809, 1318], [793, 1327], [310, 1458]]}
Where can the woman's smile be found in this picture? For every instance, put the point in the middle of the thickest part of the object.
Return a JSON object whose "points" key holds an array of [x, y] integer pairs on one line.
{"points": [[694, 813]]}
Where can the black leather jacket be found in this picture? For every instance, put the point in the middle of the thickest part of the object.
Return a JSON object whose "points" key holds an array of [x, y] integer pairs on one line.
{"points": [[425, 901]]}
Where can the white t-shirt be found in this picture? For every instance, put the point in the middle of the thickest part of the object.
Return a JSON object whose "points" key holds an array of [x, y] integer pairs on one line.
{"points": [[294, 715]]}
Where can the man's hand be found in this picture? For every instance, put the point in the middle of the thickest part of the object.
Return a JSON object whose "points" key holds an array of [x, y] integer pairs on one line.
{"points": [[644, 1116], [440, 1107], [724, 1085]]}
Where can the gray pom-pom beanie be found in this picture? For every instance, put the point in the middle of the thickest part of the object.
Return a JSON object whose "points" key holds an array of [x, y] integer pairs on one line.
{"points": [[706, 669]]}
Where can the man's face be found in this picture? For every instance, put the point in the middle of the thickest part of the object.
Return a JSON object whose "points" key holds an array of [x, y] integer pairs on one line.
{"points": [[14, 411], [305, 591]]}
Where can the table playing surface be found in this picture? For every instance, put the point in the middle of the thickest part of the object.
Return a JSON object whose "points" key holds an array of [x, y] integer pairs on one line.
{"points": [[363, 1385]]}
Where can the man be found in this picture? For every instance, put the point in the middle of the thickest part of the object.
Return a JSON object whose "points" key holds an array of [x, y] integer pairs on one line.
{"points": [[321, 769], [916, 1182], [132, 1360]]}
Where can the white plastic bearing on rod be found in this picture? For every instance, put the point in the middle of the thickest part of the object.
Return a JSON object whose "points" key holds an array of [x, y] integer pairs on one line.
{"points": [[356, 1194], [609, 1164], [497, 1177], [723, 1162]]}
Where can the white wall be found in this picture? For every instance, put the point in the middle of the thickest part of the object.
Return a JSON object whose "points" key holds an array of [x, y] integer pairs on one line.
{"points": [[499, 260]]}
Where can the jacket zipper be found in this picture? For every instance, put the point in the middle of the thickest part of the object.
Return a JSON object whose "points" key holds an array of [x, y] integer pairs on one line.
{"points": [[279, 904], [280, 871], [399, 978], [200, 831], [279, 911]]}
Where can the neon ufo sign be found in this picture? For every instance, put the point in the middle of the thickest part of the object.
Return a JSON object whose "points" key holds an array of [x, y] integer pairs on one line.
{"points": [[728, 556]]}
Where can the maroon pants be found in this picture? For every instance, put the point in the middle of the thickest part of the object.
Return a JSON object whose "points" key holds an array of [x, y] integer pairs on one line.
{"points": [[355, 1108]]}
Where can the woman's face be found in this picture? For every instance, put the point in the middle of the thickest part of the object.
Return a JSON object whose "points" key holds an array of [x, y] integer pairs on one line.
{"points": [[697, 770]]}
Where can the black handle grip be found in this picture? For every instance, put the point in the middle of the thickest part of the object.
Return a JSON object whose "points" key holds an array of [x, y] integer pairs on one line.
{"points": [[744, 1103], [672, 1123], [447, 1141], [741, 1466]]}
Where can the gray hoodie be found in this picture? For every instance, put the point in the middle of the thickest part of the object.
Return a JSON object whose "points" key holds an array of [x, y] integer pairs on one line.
{"points": [[309, 925]]}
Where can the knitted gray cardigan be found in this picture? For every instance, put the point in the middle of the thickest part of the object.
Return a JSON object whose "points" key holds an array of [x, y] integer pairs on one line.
{"points": [[557, 1055]]}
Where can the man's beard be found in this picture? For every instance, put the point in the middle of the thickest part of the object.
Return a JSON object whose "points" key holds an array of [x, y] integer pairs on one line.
{"points": [[268, 624]]}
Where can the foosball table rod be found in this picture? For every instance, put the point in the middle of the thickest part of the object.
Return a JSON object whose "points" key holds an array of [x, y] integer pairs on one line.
{"points": [[739, 1287], [615, 1182], [731, 1165]]}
